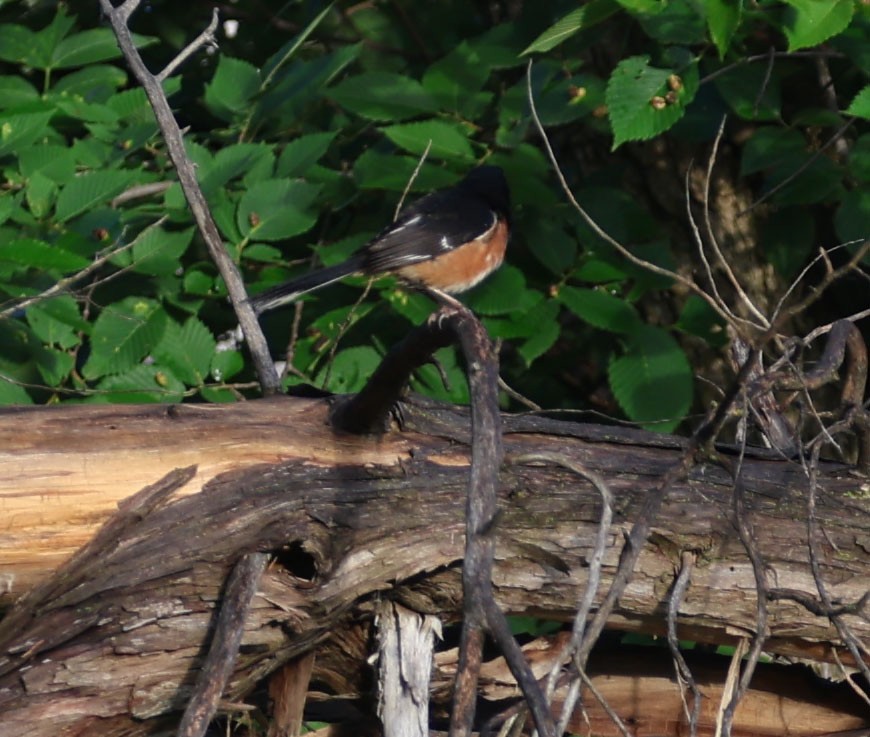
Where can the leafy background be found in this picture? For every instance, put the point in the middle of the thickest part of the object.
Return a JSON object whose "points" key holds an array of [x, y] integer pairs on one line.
{"points": [[306, 125]]}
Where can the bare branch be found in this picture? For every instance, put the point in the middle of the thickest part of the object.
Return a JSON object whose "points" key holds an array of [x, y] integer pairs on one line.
{"points": [[198, 206], [206, 38]]}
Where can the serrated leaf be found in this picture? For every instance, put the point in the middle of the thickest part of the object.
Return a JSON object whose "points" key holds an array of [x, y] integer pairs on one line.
{"points": [[123, 334], [853, 215], [90, 46], [349, 370], [157, 251], [810, 22], [53, 365], [586, 16], [232, 162], [56, 321], [275, 209], [55, 162], [187, 350], [37, 254], [639, 102], [599, 309], [94, 82], [90, 189], [860, 106], [448, 141], [382, 96], [652, 380], [20, 130], [230, 91], [40, 194], [140, 384], [302, 153]]}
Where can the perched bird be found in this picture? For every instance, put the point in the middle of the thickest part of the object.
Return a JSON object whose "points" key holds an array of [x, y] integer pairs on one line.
{"points": [[446, 242]]}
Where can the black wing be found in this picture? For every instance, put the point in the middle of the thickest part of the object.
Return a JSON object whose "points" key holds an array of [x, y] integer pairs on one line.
{"points": [[435, 224]]}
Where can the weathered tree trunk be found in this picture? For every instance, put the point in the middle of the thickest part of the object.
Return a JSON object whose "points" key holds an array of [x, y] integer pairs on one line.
{"points": [[115, 636]]}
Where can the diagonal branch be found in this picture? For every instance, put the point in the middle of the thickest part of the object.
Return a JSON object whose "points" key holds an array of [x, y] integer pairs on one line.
{"points": [[118, 17]]}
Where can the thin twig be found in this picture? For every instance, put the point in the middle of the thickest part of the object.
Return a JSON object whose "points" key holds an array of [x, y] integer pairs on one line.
{"points": [[683, 672], [412, 179], [63, 285], [206, 38], [711, 236], [596, 228], [593, 580]]}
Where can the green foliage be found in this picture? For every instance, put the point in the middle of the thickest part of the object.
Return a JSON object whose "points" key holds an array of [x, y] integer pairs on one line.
{"points": [[305, 146]]}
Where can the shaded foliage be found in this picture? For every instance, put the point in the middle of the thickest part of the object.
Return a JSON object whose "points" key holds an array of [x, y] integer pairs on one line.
{"points": [[306, 126]]}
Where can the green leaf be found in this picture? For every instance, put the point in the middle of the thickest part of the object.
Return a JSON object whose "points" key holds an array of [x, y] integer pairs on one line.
{"points": [[770, 148], [157, 251], [230, 91], [723, 18], [232, 162], [652, 380], [89, 190], [56, 321], [349, 370], [600, 309], [15, 91], [16, 43], [752, 91], [853, 215], [382, 96], [456, 80], [53, 365], [449, 141], [860, 106], [275, 209], [586, 16], [17, 131], [87, 47], [551, 244], [375, 170], [859, 159], [123, 334], [302, 153], [643, 101], [55, 162], [40, 255], [289, 49], [787, 236], [503, 292], [140, 384], [810, 22], [12, 392], [187, 350], [226, 364], [698, 318], [40, 194], [96, 82]]}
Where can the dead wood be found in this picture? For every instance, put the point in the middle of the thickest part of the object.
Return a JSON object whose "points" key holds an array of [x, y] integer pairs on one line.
{"points": [[118, 634]]}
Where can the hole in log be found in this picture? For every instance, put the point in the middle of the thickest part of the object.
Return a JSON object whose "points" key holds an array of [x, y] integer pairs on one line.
{"points": [[297, 560]]}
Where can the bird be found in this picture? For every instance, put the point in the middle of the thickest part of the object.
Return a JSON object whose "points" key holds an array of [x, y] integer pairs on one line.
{"points": [[444, 243]]}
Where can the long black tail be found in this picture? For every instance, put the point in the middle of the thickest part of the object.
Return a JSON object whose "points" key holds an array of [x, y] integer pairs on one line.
{"points": [[291, 291]]}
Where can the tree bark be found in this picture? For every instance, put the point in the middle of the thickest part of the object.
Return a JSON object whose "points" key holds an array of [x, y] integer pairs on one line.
{"points": [[115, 635]]}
